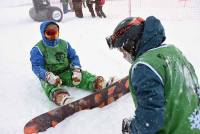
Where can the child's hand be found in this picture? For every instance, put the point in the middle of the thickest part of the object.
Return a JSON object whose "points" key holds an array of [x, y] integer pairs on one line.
{"points": [[76, 76], [53, 79]]}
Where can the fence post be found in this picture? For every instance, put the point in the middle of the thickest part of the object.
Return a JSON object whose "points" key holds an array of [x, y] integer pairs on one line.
{"points": [[129, 7]]}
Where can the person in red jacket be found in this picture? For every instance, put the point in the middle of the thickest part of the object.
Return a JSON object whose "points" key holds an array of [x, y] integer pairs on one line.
{"points": [[99, 8]]}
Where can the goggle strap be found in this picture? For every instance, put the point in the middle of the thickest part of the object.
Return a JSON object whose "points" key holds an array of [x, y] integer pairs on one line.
{"points": [[135, 21]]}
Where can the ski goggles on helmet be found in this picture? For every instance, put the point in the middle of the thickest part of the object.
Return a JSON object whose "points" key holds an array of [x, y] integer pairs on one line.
{"points": [[111, 40]]}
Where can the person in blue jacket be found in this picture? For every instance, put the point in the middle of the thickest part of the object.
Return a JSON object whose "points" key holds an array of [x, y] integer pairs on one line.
{"points": [[162, 81], [56, 63]]}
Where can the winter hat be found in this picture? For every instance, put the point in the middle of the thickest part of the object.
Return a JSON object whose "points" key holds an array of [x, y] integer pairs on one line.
{"points": [[43, 27]]}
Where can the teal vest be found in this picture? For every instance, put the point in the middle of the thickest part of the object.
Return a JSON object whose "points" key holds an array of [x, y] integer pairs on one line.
{"points": [[56, 59], [180, 88]]}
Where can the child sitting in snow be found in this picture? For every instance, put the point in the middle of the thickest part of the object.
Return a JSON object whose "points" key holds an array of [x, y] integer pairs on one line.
{"points": [[56, 63]]}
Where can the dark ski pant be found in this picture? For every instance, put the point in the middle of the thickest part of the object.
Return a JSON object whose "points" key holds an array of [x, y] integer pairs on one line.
{"points": [[99, 11], [90, 7], [86, 83], [65, 5], [77, 4]]}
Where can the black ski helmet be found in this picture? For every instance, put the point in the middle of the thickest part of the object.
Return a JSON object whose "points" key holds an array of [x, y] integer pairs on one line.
{"points": [[126, 34]]}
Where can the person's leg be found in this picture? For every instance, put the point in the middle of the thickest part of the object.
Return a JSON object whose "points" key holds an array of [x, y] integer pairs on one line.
{"points": [[101, 11], [71, 5], [97, 10], [55, 93], [78, 8], [90, 7], [66, 78], [88, 82], [48, 89], [91, 82], [65, 5]]}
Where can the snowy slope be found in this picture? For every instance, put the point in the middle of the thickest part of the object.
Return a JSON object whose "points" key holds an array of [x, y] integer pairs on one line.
{"points": [[21, 96]]}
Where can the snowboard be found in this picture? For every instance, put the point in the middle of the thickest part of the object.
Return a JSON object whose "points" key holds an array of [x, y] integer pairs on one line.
{"points": [[97, 99]]}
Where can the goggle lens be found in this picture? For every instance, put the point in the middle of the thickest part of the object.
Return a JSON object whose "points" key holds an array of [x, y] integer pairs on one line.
{"points": [[51, 34], [111, 39]]}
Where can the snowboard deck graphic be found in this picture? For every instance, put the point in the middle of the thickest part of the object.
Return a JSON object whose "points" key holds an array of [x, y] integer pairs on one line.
{"points": [[97, 99]]}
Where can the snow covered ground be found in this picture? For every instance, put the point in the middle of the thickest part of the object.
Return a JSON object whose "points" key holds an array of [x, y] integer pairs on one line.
{"points": [[21, 96]]}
